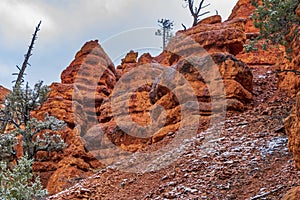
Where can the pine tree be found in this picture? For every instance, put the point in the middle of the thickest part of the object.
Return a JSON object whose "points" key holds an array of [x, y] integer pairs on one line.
{"points": [[16, 178], [166, 26]]}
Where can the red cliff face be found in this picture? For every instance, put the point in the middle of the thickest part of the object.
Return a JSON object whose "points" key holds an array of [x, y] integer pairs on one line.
{"points": [[223, 44], [292, 126], [289, 81], [289, 78]]}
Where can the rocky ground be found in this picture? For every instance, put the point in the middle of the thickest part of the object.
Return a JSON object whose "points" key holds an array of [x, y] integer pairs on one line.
{"points": [[249, 159]]}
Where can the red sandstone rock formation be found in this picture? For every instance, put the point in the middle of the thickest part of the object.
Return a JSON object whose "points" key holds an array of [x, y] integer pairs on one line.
{"points": [[127, 64], [217, 37], [244, 9], [86, 97], [290, 81], [86, 83], [211, 20], [271, 56], [289, 78], [210, 37], [292, 126]]}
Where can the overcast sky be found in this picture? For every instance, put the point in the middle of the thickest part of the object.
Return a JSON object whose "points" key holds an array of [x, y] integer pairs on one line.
{"points": [[119, 25]]}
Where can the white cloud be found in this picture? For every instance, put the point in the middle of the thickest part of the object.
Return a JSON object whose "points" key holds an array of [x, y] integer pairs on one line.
{"points": [[73, 18], [19, 17]]}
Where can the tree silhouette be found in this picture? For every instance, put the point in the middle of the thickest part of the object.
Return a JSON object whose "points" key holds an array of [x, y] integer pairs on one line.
{"points": [[195, 10], [166, 26], [16, 120]]}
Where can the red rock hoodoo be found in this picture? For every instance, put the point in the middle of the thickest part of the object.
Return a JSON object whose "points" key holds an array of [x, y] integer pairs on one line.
{"points": [[211, 40], [86, 83]]}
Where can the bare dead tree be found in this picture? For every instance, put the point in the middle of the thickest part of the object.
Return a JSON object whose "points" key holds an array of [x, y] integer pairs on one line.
{"points": [[195, 10], [20, 74], [27, 56]]}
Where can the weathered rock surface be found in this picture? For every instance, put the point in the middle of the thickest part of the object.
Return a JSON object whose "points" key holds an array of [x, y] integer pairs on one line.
{"points": [[293, 194], [166, 58], [218, 37], [127, 64], [244, 9], [208, 36], [94, 99], [292, 126], [289, 78], [3, 92], [86, 83], [131, 57], [234, 74], [90, 54], [211, 20], [289, 81], [250, 146], [59, 104]]}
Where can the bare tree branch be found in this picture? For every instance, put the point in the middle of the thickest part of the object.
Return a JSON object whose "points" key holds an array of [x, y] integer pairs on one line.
{"points": [[195, 11], [27, 56], [22, 69]]}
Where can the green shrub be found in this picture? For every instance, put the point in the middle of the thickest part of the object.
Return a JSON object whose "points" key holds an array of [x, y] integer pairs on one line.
{"points": [[275, 20], [16, 183]]}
